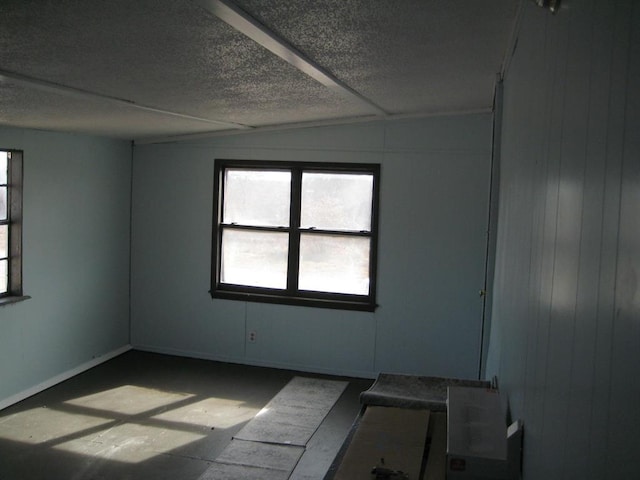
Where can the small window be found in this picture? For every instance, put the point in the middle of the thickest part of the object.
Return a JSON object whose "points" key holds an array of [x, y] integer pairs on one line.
{"points": [[296, 233], [10, 223]]}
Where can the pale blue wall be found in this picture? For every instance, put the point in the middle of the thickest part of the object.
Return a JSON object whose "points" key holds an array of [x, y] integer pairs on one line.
{"points": [[76, 257], [565, 339], [433, 221]]}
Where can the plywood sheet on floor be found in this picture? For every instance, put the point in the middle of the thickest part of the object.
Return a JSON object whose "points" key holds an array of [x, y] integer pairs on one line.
{"points": [[223, 471], [295, 413], [265, 455], [394, 434], [436, 467]]}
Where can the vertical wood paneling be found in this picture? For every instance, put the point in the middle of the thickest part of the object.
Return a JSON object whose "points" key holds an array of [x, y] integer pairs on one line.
{"points": [[544, 111], [625, 372], [581, 393], [567, 268], [553, 66], [615, 129], [570, 153]]}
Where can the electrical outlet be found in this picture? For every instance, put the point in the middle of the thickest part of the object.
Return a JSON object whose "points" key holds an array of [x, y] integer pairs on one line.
{"points": [[252, 337]]}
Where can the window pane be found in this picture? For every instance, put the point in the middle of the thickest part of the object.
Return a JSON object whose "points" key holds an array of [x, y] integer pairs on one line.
{"points": [[257, 259], [336, 264], [3, 203], [3, 168], [4, 281], [333, 201], [257, 198], [4, 241]]}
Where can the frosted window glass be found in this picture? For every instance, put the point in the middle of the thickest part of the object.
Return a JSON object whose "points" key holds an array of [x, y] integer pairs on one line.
{"points": [[333, 201], [4, 281], [257, 259], [335, 264], [257, 198], [3, 168], [4, 241], [3, 203]]}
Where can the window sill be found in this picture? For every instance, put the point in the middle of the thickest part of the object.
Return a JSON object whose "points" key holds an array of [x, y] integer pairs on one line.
{"points": [[296, 301], [10, 300]]}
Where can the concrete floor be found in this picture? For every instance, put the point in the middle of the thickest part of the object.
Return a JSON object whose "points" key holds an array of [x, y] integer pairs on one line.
{"points": [[144, 415]]}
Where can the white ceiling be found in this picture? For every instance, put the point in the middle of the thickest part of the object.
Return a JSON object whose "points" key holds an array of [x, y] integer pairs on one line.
{"points": [[145, 69]]}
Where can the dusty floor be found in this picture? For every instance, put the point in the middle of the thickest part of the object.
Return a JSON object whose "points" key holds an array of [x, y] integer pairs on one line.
{"points": [[144, 415]]}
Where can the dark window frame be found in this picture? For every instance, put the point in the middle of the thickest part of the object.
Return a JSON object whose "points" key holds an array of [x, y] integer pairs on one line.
{"points": [[292, 295], [14, 221]]}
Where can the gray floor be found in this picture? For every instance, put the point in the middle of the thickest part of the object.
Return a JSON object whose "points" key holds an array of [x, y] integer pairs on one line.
{"points": [[144, 415]]}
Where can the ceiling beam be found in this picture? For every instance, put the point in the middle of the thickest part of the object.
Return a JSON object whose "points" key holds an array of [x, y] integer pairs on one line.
{"points": [[72, 92], [244, 23], [331, 122]]}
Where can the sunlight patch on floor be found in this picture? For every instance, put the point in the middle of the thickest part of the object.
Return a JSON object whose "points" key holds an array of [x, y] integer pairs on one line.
{"points": [[211, 413], [129, 399], [128, 423], [130, 442], [40, 425]]}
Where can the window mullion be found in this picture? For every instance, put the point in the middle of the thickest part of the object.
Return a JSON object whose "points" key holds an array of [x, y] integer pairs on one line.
{"points": [[294, 230]]}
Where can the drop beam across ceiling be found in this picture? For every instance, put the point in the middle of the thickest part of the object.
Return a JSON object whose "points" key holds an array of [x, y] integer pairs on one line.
{"points": [[42, 85], [247, 25]]}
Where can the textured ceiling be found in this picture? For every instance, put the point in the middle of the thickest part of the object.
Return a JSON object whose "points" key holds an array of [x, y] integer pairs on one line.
{"points": [[156, 68]]}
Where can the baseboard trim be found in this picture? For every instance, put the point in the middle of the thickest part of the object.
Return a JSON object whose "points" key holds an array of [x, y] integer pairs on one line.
{"points": [[253, 362], [94, 362]]}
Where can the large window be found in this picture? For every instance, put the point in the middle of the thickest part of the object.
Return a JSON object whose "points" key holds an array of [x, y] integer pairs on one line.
{"points": [[293, 232], [10, 224]]}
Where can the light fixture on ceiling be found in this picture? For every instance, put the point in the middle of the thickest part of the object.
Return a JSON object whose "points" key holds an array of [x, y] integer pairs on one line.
{"points": [[553, 5]]}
